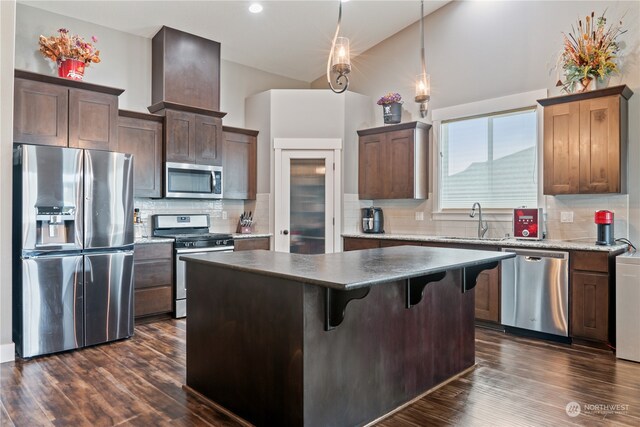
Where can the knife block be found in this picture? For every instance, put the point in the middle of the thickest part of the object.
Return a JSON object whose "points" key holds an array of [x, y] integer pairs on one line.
{"points": [[244, 229]]}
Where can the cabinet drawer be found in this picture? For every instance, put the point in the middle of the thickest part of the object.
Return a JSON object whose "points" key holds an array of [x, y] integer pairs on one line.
{"points": [[150, 273], [153, 251], [153, 301], [250, 244], [390, 243], [351, 244], [590, 261]]}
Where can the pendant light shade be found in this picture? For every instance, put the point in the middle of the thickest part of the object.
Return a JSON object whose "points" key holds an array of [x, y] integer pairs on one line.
{"points": [[423, 80], [339, 63]]}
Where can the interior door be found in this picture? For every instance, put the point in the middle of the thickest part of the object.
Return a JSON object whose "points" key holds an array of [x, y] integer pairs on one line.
{"points": [[304, 220]]}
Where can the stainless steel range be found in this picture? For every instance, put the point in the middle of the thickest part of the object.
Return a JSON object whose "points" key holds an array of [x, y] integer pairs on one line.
{"points": [[191, 234]]}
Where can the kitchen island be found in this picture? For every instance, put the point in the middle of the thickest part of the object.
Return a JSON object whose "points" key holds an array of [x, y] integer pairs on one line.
{"points": [[336, 339]]}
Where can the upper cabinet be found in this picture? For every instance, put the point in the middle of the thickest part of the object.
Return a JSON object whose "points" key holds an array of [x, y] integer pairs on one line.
{"points": [[394, 161], [585, 142], [185, 69], [141, 135], [54, 111], [191, 135], [240, 162]]}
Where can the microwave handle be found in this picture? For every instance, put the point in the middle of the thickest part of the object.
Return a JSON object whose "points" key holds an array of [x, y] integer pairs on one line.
{"points": [[213, 181]]}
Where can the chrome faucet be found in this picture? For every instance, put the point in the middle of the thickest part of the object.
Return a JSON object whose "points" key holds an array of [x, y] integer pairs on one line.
{"points": [[482, 225]]}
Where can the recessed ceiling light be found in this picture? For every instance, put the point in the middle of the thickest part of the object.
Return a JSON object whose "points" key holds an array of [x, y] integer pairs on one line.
{"points": [[255, 8]]}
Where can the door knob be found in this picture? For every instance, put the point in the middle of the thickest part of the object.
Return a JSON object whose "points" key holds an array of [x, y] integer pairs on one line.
{"points": [[285, 232]]}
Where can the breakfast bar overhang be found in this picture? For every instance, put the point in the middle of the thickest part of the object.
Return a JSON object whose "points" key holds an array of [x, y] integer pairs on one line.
{"points": [[329, 340]]}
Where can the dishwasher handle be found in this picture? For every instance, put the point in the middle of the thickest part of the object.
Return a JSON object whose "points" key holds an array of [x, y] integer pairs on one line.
{"points": [[537, 255]]}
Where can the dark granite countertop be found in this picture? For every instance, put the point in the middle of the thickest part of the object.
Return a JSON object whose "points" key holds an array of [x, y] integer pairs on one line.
{"points": [[351, 270]]}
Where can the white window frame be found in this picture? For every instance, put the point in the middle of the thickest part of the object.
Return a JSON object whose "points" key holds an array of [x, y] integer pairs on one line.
{"points": [[483, 108]]}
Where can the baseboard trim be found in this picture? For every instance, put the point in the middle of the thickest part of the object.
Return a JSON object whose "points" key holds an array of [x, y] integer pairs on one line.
{"points": [[7, 352]]}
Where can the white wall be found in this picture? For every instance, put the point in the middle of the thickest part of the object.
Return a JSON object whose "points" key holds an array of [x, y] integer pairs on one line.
{"points": [[126, 63], [7, 25], [482, 50]]}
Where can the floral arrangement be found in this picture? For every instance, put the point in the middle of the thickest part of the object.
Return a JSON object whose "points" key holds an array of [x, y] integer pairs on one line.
{"points": [[390, 98], [589, 52], [66, 46]]}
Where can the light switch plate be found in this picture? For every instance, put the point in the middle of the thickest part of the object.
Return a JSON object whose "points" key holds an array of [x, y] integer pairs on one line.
{"points": [[566, 216], [224, 215], [419, 216]]}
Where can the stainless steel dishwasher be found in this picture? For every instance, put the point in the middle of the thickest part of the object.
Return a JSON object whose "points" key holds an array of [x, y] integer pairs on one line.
{"points": [[535, 288]]}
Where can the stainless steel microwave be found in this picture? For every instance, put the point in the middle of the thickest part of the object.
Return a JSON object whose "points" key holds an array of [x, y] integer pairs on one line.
{"points": [[190, 181]]}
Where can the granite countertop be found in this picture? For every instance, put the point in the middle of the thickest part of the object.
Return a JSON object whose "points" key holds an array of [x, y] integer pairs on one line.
{"points": [[149, 240], [351, 270], [238, 236], [580, 245]]}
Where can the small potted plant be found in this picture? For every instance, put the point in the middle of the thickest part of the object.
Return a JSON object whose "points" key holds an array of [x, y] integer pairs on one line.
{"points": [[391, 107], [589, 53], [71, 52]]}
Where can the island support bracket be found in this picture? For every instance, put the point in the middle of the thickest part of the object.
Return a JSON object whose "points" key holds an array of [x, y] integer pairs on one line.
{"points": [[470, 275], [414, 287], [335, 304]]}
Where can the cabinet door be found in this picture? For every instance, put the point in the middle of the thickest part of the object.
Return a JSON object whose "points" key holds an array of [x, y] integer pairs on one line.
{"points": [[143, 139], [398, 166], [93, 120], [488, 295], [180, 137], [562, 148], [370, 158], [240, 153], [208, 140], [600, 145], [590, 306], [153, 279], [40, 114]]}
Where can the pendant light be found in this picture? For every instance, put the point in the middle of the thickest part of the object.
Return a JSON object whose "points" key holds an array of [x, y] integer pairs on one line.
{"points": [[423, 80], [339, 60]]}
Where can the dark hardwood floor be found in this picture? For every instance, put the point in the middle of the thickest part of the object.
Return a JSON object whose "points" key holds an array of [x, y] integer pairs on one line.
{"points": [[138, 382]]}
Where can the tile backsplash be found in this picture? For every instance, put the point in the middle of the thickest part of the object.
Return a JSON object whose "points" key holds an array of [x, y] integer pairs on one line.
{"points": [[217, 209], [400, 217]]}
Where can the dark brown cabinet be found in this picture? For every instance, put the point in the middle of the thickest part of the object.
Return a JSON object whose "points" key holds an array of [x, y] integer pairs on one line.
{"points": [[141, 135], [61, 112], [248, 244], [592, 290], [153, 279], [191, 135], [240, 147], [488, 295], [354, 244], [394, 162], [585, 142], [185, 69]]}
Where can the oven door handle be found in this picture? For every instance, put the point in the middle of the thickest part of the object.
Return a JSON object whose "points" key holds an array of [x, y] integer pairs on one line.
{"points": [[204, 251]]}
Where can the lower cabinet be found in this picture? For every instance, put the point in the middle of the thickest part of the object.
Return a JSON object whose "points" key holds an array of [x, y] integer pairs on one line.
{"points": [[354, 244], [251, 244], [591, 297], [488, 296], [153, 273]]}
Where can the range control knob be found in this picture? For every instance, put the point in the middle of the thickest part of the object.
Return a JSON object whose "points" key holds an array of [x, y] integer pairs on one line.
{"points": [[525, 233]]}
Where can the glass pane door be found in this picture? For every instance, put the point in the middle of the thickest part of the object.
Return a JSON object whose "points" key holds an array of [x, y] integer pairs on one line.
{"points": [[307, 206]]}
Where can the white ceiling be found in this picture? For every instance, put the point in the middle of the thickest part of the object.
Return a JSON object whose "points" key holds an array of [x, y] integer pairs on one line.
{"points": [[290, 38]]}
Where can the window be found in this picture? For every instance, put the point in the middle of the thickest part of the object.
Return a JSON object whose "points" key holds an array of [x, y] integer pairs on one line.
{"points": [[489, 159]]}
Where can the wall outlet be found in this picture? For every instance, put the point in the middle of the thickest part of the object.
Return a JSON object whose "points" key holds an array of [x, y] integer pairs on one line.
{"points": [[225, 215], [419, 216], [566, 216]]}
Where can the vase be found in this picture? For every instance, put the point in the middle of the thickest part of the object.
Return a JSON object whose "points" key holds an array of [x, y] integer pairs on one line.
{"points": [[392, 113], [585, 85], [602, 82], [71, 69]]}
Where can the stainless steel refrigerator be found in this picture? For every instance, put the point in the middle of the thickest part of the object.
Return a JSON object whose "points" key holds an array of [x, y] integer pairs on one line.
{"points": [[73, 248]]}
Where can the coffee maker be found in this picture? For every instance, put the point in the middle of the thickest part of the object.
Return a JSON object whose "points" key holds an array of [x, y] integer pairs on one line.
{"points": [[604, 224], [372, 220]]}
